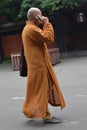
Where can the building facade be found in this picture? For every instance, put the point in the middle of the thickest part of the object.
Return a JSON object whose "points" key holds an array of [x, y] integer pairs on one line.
{"points": [[71, 29]]}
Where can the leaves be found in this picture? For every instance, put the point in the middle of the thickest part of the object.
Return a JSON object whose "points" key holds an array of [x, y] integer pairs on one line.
{"points": [[18, 8], [26, 4], [10, 8], [48, 7]]}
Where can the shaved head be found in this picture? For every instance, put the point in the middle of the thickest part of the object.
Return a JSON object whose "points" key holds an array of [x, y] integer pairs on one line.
{"points": [[33, 12]]}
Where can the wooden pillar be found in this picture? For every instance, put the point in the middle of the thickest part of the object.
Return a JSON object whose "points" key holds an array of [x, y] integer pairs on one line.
{"points": [[1, 52]]}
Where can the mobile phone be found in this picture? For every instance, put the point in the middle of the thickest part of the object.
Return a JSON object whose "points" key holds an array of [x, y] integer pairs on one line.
{"points": [[38, 18]]}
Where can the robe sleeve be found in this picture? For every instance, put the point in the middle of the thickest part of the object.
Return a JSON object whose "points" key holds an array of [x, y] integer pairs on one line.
{"points": [[42, 35]]}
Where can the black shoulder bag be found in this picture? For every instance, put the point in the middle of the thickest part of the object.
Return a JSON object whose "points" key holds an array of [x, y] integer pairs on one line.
{"points": [[23, 65]]}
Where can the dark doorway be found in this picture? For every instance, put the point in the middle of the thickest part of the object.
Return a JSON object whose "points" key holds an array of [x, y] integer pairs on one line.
{"points": [[79, 36]]}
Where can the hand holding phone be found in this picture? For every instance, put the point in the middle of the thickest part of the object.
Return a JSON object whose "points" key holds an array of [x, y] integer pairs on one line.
{"points": [[42, 19], [45, 20]]}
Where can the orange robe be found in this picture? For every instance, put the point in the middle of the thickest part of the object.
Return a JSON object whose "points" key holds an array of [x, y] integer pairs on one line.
{"points": [[41, 75]]}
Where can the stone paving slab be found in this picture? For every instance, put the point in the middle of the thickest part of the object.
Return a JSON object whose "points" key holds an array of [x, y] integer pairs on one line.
{"points": [[72, 77]]}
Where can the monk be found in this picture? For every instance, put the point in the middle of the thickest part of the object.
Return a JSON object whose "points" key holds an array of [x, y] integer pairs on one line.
{"points": [[42, 84]]}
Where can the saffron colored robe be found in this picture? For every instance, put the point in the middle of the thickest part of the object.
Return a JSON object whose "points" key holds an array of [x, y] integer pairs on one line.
{"points": [[41, 77]]}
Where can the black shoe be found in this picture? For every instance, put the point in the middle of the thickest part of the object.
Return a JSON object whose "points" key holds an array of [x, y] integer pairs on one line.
{"points": [[54, 120]]}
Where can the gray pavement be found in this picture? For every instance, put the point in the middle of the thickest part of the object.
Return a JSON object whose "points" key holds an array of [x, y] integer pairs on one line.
{"points": [[72, 77]]}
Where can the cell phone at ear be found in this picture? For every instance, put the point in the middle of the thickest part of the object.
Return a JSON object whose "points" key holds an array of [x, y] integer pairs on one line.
{"points": [[38, 18]]}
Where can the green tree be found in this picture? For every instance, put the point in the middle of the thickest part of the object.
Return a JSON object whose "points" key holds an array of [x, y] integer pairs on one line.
{"points": [[48, 6], [10, 8], [26, 4], [17, 9]]}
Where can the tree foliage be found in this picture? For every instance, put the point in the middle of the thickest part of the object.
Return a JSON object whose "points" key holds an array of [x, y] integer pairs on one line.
{"points": [[48, 6], [10, 8], [26, 4], [18, 8]]}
